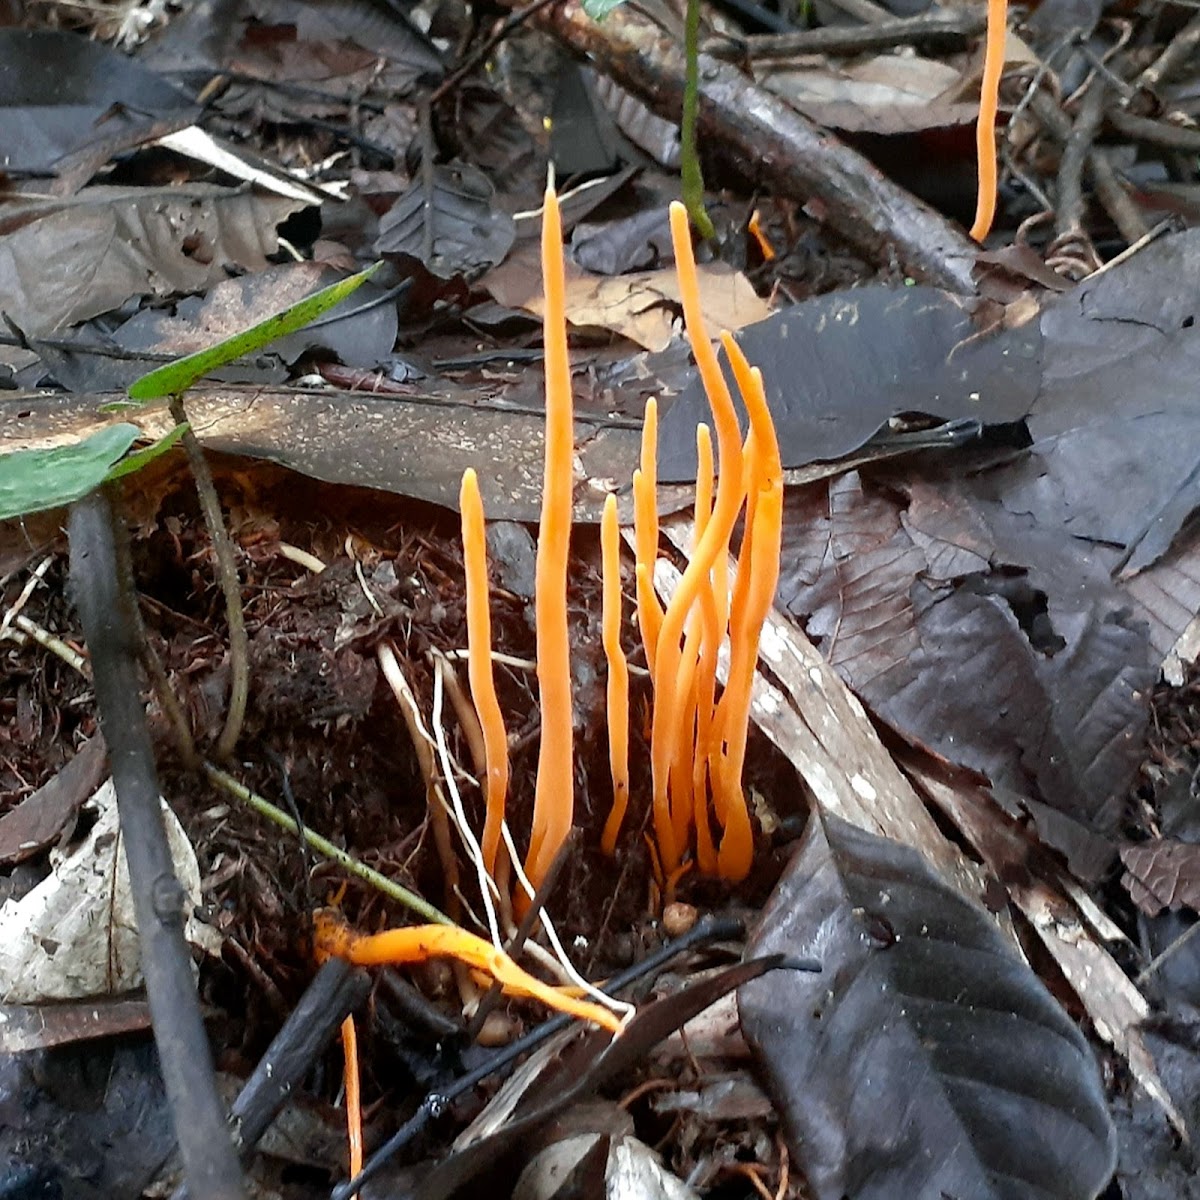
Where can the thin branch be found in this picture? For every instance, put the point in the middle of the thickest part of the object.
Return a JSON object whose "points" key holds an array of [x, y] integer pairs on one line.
{"points": [[210, 1164], [231, 589]]}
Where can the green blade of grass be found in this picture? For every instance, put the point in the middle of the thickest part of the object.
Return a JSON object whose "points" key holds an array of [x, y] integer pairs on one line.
{"points": [[34, 480], [175, 378]]}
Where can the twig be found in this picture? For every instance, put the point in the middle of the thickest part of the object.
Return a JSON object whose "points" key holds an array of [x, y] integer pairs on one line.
{"points": [[389, 887], [1177, 53], [1069, 218], [35, 577], [843, 39], [1155, 133], [23, 627], [336, 990], [210, 1165], [222, 544], [1114, 198], [499, 32]]}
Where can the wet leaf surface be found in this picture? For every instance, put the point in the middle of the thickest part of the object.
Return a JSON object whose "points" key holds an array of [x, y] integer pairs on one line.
{"points": [[926, 1050], [62, 94], [837, 368]]}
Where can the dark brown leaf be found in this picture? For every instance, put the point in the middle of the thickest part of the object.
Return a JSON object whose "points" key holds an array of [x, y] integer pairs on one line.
{"points": [[1162, 874], [39, 820]]}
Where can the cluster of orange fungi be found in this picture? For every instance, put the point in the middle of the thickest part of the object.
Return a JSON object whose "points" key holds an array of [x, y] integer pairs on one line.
{"points": [[698, 738]]}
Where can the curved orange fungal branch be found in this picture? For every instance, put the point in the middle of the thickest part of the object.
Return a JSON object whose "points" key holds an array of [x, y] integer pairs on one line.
{"points": [[650, 613], [553, 804], [667, 699], [479, 664], [332, 938], [645, 530], [681, 770], [706, 666], [985, 127], [764, 535], [738, 603], [354, 1131], [618, 673]]}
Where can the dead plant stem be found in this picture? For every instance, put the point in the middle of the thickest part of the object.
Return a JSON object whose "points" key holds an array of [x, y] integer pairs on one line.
{"points": [[227, 574]]}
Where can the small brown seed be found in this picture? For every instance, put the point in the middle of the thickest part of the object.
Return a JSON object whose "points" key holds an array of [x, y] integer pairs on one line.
{"points": [[678, 918], [498, 1030]]}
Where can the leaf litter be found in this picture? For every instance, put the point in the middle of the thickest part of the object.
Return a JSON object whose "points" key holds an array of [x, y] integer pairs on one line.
{"points": [[994, 605]]}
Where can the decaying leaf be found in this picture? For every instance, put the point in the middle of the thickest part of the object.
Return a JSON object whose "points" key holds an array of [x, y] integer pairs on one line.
{"points": [[1006, 649], [1162, 873], [927, 1060], [74, 935], [109, 243], [455, 230], [39, 820]]}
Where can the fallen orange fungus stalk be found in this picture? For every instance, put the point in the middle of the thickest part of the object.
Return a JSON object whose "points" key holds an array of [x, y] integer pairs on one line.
{"points": [[333, 938], [354, 1128]]}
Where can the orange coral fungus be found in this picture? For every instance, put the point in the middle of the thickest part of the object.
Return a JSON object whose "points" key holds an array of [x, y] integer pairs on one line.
{"points": [[553, 804], [985, 127], [479, 664], [668, 703], [755, 229], [706, 666], [354, 1129], [645, 531], [618, 673], [759, 565], [332, 938]]}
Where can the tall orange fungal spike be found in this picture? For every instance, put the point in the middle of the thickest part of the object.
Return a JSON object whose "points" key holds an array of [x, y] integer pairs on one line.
{"points": [[479, 664], [618, 673], [553, 804]]}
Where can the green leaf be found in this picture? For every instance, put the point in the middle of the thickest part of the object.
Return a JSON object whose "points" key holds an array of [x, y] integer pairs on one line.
{"points": [[34, 480], [599, 9], [175, 378], [139, 458]]}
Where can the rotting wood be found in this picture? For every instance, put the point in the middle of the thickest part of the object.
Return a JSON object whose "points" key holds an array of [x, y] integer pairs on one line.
{"points": [[775, 147]]}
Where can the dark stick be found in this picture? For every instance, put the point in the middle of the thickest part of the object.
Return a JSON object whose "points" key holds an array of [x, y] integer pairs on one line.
{"points": [[209, 1163], [854, 39], [336, 991], [1155, 133]]}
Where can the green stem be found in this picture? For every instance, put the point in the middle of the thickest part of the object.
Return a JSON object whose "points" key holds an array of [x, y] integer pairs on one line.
{"points": [[693, 179], [323, 846]]}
